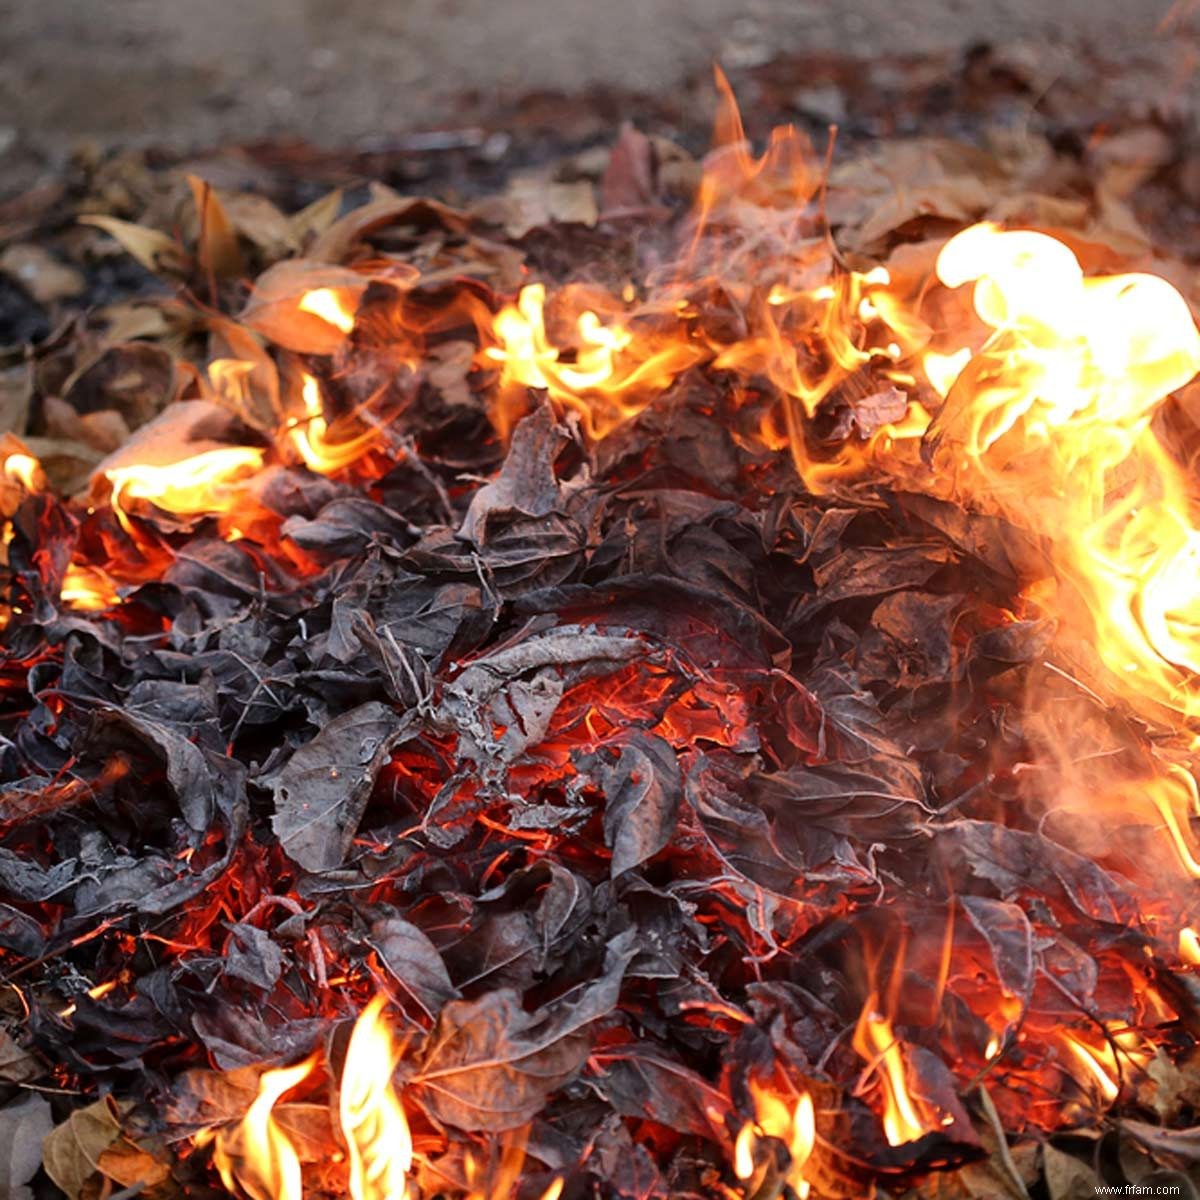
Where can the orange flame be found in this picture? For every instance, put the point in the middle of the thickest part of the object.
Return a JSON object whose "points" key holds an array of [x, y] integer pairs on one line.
{"points": [[329, 306], [201, 484], [1189, 945], [1099, 1066], [875, 1040], [606, 376], [1080, 366], [309, 435], [793, 1125], [256, 1155], [88, 589]]}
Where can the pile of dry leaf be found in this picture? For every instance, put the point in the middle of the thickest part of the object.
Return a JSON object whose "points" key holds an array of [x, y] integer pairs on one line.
{"points": [[630, 767]]}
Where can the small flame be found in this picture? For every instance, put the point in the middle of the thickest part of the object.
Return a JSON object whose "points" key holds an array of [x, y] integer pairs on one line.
{"points": [[88, 589], [1189, 945], [327, 304], [256, 1155], [794, 1125], [875, 1040], [25, 470], [373, 1121], [1099, 1066], [201, 484], [743, 1151], [606, 376], [309, 435]]}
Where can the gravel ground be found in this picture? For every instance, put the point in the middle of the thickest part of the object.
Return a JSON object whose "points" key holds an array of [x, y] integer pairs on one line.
{"points": [[201, 72]]}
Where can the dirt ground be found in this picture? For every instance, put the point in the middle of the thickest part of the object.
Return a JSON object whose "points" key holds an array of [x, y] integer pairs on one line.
{"points": [[201, 72]]}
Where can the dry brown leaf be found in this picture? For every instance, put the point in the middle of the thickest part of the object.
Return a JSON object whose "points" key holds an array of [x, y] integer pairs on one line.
{"points": [[67, 462], [41, 274], [137, 379], [316, 218], [341, 241], [1067, 1178], [105, 430], [128, 1165], [629, 178], [251, 390], [904, 180], [531, 201], [132, 319], [16, 390], [17, 1065], [259, 221], [151, 247], [216, 244], [1034, 208], [273, 309], [23, 1127], [71, 1152]]}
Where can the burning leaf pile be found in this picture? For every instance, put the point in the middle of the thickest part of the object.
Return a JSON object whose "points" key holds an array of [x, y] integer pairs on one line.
{"points": [[698, 702]]}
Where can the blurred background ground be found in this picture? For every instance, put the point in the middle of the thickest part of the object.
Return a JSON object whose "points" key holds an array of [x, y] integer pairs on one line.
{"points": [[198, 73], [110, 107]]}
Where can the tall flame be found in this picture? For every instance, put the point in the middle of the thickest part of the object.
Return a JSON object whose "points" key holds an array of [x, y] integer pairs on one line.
{"points": [[256, 1158], [876, 1041], [373, 1121], [1079, 366]]}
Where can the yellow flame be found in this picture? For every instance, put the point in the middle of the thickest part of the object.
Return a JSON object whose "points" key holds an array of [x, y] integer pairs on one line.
{"points": [[309, 435], [743, 1152], [373, 1121], [878, 1044], [25, 470], [88, 589], [1189, 945], [201, 484], [794, 1125], [1080, 365], [327, 304], [256, 1155], [606, 376], [1099, 1066], [943, 369], [1175, 796]]}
